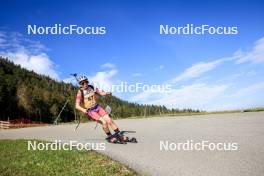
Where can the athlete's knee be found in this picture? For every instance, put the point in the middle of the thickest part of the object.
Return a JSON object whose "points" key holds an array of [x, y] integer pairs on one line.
{"points": [[108, 119], [103, 122]]}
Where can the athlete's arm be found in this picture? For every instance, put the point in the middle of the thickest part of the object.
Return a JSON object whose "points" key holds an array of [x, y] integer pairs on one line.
{"points": [[102, 93], [78, 102]]}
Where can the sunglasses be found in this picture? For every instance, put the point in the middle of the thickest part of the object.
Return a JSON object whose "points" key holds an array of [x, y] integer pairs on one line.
{"points": [[84, 82]]}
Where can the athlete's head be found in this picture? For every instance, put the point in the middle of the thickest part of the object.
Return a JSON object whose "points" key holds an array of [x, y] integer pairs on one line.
{"points": [[83, 82]]}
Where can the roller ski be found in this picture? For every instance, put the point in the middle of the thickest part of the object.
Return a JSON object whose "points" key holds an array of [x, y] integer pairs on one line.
{"points": [[127, 139], [119, 138]]}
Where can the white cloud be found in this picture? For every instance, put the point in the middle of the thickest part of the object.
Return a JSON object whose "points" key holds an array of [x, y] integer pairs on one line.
{"points": [[237, 77], [103, 79], [29, 54], [3, 41], [145, 97], [256, 55], [254, 88], [108, 65], [160, 67], [215, 96], [196, 96], [70, 80], [251, 73], [136, 74], [198, 69], [39, 63]]}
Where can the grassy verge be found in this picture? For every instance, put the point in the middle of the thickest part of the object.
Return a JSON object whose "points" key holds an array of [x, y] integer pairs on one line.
{"points": [[15, 159], [205, 113], [238, 111], [253, 110]]}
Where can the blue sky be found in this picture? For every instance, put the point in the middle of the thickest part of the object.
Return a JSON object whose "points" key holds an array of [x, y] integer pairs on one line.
{"points": [[210, 72]]}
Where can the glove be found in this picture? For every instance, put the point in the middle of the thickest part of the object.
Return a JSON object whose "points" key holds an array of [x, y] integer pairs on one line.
{"points": [[86, 111]]}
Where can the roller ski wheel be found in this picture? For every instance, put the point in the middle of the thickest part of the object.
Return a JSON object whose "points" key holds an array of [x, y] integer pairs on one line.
{"points": [[115, 139], [111, 139], [126, 139], [133, 140], [118, 138]]}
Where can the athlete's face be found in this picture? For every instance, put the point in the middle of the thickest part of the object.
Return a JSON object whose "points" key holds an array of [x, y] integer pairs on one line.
{"points": [[85, 84]]}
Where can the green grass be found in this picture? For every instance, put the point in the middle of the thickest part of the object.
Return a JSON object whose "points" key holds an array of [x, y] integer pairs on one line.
{"points": [[238, 111], [15, 159], [253, 110], [192, 113]]}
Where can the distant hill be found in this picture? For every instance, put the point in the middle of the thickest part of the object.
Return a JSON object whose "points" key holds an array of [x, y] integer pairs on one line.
{"points": [[26, 94]]}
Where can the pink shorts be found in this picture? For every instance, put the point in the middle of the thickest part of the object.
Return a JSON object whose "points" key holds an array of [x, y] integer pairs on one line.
{"points": [[96, 113]]}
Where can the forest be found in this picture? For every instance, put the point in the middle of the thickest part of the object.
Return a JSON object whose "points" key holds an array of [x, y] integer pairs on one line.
{"points": [[26, 94]]}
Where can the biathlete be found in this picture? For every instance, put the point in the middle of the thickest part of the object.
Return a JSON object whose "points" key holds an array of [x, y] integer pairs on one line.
{"points": [[86, 103]]}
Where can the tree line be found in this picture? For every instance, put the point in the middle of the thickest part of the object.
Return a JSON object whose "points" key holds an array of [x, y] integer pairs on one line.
{"points": [[26, 94]]}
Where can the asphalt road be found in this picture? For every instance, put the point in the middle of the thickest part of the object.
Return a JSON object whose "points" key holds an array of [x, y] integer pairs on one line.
{"points": [[244, 131]]}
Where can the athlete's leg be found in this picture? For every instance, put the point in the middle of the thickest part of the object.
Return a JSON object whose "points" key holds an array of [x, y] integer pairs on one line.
{"points": [[114, 127], [94, 115], [108, 119], [109, 138], [104, 125]]}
